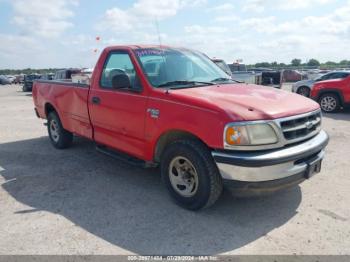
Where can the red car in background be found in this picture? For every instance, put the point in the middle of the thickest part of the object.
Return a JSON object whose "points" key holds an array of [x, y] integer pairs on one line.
{"points": [[333, 94]]}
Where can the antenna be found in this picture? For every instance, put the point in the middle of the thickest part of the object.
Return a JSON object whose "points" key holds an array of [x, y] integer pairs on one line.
{"points": [[157, 27]]}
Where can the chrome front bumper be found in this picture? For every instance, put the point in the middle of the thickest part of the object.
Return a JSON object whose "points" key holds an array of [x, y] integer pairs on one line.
{"points": [[260, 166]]}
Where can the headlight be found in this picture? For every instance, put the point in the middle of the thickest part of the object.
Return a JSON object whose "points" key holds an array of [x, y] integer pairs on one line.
{"points": [[249, 134]]}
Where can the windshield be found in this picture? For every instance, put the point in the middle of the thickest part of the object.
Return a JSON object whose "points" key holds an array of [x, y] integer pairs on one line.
{"points": [[178, 67], [223, 66]]}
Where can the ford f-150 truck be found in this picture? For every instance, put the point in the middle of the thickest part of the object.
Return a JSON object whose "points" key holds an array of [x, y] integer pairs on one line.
{"points": [[173, 107]]}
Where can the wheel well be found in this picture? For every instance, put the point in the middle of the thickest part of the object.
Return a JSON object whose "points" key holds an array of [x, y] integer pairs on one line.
{"points": [[170, 137], [49, 108], [303, 86], [333, 93]]}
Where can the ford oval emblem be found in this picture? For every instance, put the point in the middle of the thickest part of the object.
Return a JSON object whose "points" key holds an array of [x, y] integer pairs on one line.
{"points": [[309, 125]]}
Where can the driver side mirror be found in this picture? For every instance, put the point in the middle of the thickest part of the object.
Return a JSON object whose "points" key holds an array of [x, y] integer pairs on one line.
{"points": [[120, 81]]}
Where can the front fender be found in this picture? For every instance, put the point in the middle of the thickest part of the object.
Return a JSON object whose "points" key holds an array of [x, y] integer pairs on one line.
{"points": [[206, 125]]}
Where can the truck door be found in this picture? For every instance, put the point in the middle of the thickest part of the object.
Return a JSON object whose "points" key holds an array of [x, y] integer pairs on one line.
{"points": [[118, 115]]}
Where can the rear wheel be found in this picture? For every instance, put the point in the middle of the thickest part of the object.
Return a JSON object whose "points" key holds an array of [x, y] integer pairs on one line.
{"points": [[329, 103], [190, 174], [60, 138], [304, 91]]}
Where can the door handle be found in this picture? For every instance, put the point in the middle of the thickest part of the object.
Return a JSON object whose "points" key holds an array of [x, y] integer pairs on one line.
{"points": [[96, 100]]}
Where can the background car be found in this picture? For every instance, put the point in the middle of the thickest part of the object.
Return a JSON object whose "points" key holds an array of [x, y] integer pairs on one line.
{"points": [[48, 76], [304, 87], [66, 74], [19, 79], [333, 94], [11, 79], [28, 82], [4, 80]]}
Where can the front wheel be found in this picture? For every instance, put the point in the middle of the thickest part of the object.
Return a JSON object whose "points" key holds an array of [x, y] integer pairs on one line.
{"points": [[329, 103], [304, 91], [190, 174], [60, 138]]}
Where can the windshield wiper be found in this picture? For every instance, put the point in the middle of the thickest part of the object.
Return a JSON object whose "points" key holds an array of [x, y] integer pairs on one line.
{"points": [[223, 79], [184, 82]]}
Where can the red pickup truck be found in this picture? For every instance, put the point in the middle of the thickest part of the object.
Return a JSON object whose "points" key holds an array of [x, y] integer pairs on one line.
{"points": [[173, 107]]}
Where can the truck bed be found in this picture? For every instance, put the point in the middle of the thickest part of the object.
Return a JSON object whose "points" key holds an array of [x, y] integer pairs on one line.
{"points": [[71, 101]]}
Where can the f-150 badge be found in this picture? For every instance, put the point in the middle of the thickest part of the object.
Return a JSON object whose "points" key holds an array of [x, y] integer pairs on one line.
{"points": [[153, 112]]}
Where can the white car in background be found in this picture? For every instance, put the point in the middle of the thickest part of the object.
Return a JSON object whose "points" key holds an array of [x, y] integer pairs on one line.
{"points": [[11, 78], [304, 87]]}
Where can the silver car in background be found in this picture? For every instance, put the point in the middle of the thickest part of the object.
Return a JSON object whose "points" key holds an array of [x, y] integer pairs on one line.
{"points": [[304, 87], [4, 80]]}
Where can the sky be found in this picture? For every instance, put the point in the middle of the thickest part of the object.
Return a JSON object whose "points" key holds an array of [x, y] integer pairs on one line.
{"points": [[62, 33]]}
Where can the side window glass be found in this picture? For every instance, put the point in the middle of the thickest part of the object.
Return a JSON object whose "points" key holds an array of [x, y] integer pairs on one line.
{"points": [[326, 77], [338, 76], [343, 75], [119, 63]]}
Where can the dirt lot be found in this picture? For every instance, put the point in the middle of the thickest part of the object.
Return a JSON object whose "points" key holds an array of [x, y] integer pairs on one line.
{"points": [[78, 201]]}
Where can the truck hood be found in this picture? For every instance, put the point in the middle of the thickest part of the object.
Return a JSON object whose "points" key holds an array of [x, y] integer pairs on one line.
{"points": [[248, 102]]}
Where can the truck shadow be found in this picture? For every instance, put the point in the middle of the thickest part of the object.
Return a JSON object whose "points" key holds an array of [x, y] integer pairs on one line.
{"points": [[128, 206], [343, 114]]}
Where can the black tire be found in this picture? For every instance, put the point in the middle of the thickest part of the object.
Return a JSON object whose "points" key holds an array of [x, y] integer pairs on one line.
{"points": [[304, 91], [59, 137], [330, 103], [209, 186]]}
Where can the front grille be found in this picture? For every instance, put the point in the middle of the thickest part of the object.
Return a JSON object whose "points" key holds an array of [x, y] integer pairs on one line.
{"points": [[302, 127]]}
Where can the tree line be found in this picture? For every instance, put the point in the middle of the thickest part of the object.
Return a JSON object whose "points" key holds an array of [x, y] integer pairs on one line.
{"points": [[297, 63], [28, 71]]}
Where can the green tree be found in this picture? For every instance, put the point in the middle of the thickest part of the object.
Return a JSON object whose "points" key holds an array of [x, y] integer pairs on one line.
{"points": [[296, 62], [263, 64], [345, 62], [313, 62]]}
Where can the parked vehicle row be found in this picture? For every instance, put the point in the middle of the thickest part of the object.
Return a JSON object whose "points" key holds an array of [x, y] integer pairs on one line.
{"points": [[11, 79], [332, 90], [64, 74], [304, 87], [260, 76], [175, 108]]}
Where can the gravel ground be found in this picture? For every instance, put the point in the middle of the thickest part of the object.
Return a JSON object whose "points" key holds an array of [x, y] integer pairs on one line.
{"points": [[78, 201]]}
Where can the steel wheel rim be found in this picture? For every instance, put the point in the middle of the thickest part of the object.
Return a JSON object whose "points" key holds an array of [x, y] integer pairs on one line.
{"points": [[328, 103], [183, 176], [54, 131]]}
